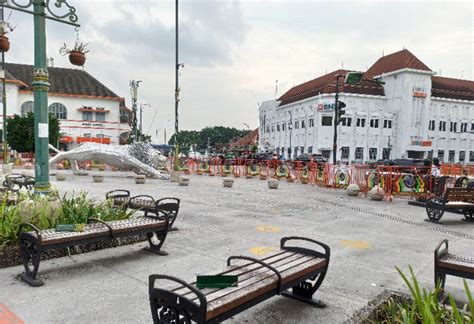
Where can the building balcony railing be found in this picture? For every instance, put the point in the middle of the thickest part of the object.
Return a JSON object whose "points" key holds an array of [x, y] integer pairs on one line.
{"points": [[100, 140], [93, 110]]}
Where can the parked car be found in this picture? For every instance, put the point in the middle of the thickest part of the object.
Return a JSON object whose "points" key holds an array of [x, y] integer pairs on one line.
{"points": [[305, 157]]}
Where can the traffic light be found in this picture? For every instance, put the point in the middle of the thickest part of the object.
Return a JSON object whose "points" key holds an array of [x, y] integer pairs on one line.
{"points": [[339, 111]]}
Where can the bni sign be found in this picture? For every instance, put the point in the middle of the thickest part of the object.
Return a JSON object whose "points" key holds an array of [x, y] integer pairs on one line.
{"points": [[326, 106]]}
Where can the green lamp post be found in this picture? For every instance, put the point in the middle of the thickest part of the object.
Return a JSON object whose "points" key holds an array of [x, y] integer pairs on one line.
{"points": [[41, 11]]}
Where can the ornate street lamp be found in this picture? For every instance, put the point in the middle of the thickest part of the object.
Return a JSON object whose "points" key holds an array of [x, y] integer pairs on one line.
{"points": [[42, 10], [134, 95]]}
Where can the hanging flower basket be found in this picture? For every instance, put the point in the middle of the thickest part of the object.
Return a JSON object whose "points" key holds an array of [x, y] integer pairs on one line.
{"points": [[4, 44], [77, 58]]}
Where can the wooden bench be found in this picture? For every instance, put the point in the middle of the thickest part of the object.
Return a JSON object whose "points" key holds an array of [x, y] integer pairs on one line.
{"points": [[33, 243], [454, 199], [167, 207], [446, 263], [301, 269]]}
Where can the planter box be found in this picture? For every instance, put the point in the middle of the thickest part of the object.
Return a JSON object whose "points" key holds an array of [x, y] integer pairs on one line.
{"points": [[60, 176], [228, 183], [140, 179], [183, 181], [368, 314], [98, 177]]}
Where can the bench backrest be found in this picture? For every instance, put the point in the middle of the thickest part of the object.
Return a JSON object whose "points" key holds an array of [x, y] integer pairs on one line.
{"points": [[459, 194]]}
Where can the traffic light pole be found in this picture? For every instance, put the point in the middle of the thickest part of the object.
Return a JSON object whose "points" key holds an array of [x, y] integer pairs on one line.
{"points": [[336, 122]]}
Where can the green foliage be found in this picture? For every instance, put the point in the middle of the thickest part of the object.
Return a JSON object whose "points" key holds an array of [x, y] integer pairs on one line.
{"points": [[218, 136], [422, 307], [20, 135], [72, 210]]}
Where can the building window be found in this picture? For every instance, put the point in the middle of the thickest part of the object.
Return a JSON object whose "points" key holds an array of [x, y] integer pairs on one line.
{"points": [[310, 149], [385, 153], [311, 122], [87, 135], [387, 123], [326, 121], [87, 115], [453, 126], [124, 116], [373, 153], [273, 128], [27, 107], [297, 124], [100, 117], [268, 129], [302, 124], [326, 154], [360, 122], [58, 110], [283, 126], [451, 156], [471, 156], [431, 127], [374, 123], [462, 156], [472, 127], [441, 155], [442, 126], [345, 153], [463, 127], [359, 153], [346, 121]]}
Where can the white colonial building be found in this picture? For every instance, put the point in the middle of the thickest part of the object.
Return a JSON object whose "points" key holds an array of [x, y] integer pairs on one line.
{"points": [[87, 110], [412, 114]]}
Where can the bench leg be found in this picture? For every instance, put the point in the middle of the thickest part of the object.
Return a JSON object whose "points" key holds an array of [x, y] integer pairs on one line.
{"points": [[469, 215], [31, 255], [156, 240], [305, 290]]}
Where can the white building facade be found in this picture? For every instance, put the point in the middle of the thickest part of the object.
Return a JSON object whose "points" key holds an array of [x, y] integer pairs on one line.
{"points": [[412, 114], [87, 110]]}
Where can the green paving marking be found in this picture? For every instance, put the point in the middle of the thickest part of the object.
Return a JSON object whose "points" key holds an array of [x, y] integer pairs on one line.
{"points": [[358, 245], [263, 250], [268, 229]]}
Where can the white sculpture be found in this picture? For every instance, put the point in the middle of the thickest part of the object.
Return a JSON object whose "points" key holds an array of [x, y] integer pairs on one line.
{"points": [[121, 156]]}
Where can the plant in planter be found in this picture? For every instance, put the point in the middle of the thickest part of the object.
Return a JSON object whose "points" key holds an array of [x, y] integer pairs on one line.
{"points": [[77, 55], [5, 27]]}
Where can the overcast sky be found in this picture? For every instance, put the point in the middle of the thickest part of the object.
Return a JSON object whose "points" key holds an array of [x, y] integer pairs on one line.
{"points": [[233, 51]]}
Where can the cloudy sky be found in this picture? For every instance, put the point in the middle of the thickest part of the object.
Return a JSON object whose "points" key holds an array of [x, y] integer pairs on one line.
{"points": [[234, 51]]}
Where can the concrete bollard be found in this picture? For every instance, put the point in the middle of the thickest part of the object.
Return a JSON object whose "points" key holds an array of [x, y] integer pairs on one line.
{"points": [[183, 181], [376, 193], [97, 177], [60, 176], [140, 179], [273, 183], [353, 190]]}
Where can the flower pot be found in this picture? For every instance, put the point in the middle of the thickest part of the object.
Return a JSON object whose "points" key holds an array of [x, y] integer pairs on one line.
{"points": [[228, 183], [263, 177], [77, 58], [290, 179], [98, 177], [4, 44], [273, 184], [236, 175], [60, 176], [211, 174], [140, 179], [183, 181], [304, 181], [249, 176]]}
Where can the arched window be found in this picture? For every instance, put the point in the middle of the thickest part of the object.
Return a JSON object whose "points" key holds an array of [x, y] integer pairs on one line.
{"points": [[58, 110], [26, 107]]}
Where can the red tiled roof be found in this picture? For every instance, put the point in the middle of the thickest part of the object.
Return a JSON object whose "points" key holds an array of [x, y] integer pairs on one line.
{"points": [[403, 59], [327, 84], [452, 88], [250, 138]]}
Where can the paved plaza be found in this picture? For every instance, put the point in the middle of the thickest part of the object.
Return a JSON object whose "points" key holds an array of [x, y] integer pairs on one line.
{"points": [[367, 239]]}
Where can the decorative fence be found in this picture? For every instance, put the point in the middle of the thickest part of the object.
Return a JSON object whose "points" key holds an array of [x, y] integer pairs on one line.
{"points": [[394, 180]]}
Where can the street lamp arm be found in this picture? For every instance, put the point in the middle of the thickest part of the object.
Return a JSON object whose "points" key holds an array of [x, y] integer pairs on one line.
{"points": [[70, 17]]}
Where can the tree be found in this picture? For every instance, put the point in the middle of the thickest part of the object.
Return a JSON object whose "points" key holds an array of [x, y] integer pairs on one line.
{"points": [[217, 136], [20, 132]]}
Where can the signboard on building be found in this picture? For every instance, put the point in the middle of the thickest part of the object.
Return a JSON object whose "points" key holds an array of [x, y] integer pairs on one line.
{"points": [[419, 92], [326, 106], [421, 143]]}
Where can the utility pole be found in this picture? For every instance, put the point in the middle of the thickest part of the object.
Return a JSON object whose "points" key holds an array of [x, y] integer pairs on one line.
{"points": [[134, 95], [177, 89], [290, 127], [4, 99], [338, 112]]}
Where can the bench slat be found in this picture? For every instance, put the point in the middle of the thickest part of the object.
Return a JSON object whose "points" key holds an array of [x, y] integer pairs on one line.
{"points": [[241, 296], [94, 230], [457, 262], [249, 271], [236, 270]]}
